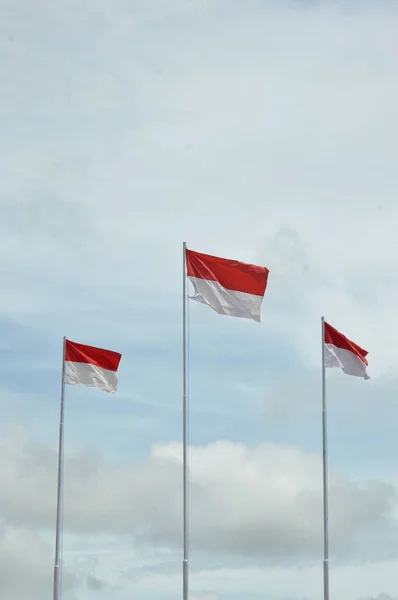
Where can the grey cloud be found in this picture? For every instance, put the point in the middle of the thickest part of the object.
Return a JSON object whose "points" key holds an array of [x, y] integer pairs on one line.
{"points": [[278, 168], [286, 252], [206, 596], [381, 596], [161, 143], [26, 566], [264, 501], [95, 584]]}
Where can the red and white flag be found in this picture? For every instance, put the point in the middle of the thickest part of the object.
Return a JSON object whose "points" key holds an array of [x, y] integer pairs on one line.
{"points": [[343, 353], [229, 287], [90, 366]]}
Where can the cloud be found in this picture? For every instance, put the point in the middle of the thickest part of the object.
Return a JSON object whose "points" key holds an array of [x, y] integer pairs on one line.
{"points": [[86, 223], [26, 566], [381, 596], [263, 501], [266, 134], [351, 582], [206, 596]]}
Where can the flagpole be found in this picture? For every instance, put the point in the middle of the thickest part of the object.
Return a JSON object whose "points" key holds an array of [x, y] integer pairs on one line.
{"points": [[57, 566], [185, 430], [325, 474]]}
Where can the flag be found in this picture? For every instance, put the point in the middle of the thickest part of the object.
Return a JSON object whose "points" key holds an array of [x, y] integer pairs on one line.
{"points": [[229, 287], [90, 366], [343, 353]]}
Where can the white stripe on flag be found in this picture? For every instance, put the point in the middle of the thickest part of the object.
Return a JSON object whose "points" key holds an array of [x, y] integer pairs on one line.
{"points": [[226, 302], [78, 373], [346, 360]]}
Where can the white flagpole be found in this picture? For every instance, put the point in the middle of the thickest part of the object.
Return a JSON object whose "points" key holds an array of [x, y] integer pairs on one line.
{"points": [[57, 565], [325, 475], [185, 431]]}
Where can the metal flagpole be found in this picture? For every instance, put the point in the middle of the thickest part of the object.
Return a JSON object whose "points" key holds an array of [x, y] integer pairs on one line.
{"points": [[185, 430], [325, 475], [57, 566]]}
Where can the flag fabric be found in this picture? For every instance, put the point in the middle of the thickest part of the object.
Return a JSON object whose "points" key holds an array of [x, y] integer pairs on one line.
{"points": [[90, 366], [228, 286], [343, 353]]}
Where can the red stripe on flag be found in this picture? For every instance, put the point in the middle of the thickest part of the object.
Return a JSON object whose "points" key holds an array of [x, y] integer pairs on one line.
{"points": [[332, 336], [80, 353], [231, 274]]}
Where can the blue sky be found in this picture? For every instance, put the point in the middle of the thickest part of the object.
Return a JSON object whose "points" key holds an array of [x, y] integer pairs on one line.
{"points": [[261, 131]]}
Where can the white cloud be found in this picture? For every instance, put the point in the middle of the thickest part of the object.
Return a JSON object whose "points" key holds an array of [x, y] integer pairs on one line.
{"points": [[25, 566], [296, 175], [350, 583], [208, 596], [266, 133], [263, 501], [205, 596], [381, 597]]}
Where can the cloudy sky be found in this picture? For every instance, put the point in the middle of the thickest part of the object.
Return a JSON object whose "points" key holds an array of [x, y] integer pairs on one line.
{"points": [[259, 130]]}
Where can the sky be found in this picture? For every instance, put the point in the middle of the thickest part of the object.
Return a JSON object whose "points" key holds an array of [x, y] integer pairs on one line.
{"points": [[263, 131]]}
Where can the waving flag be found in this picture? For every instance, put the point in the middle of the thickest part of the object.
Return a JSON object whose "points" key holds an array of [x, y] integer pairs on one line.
{"points": [[343, 353], [228, 286], [90, 366]]}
